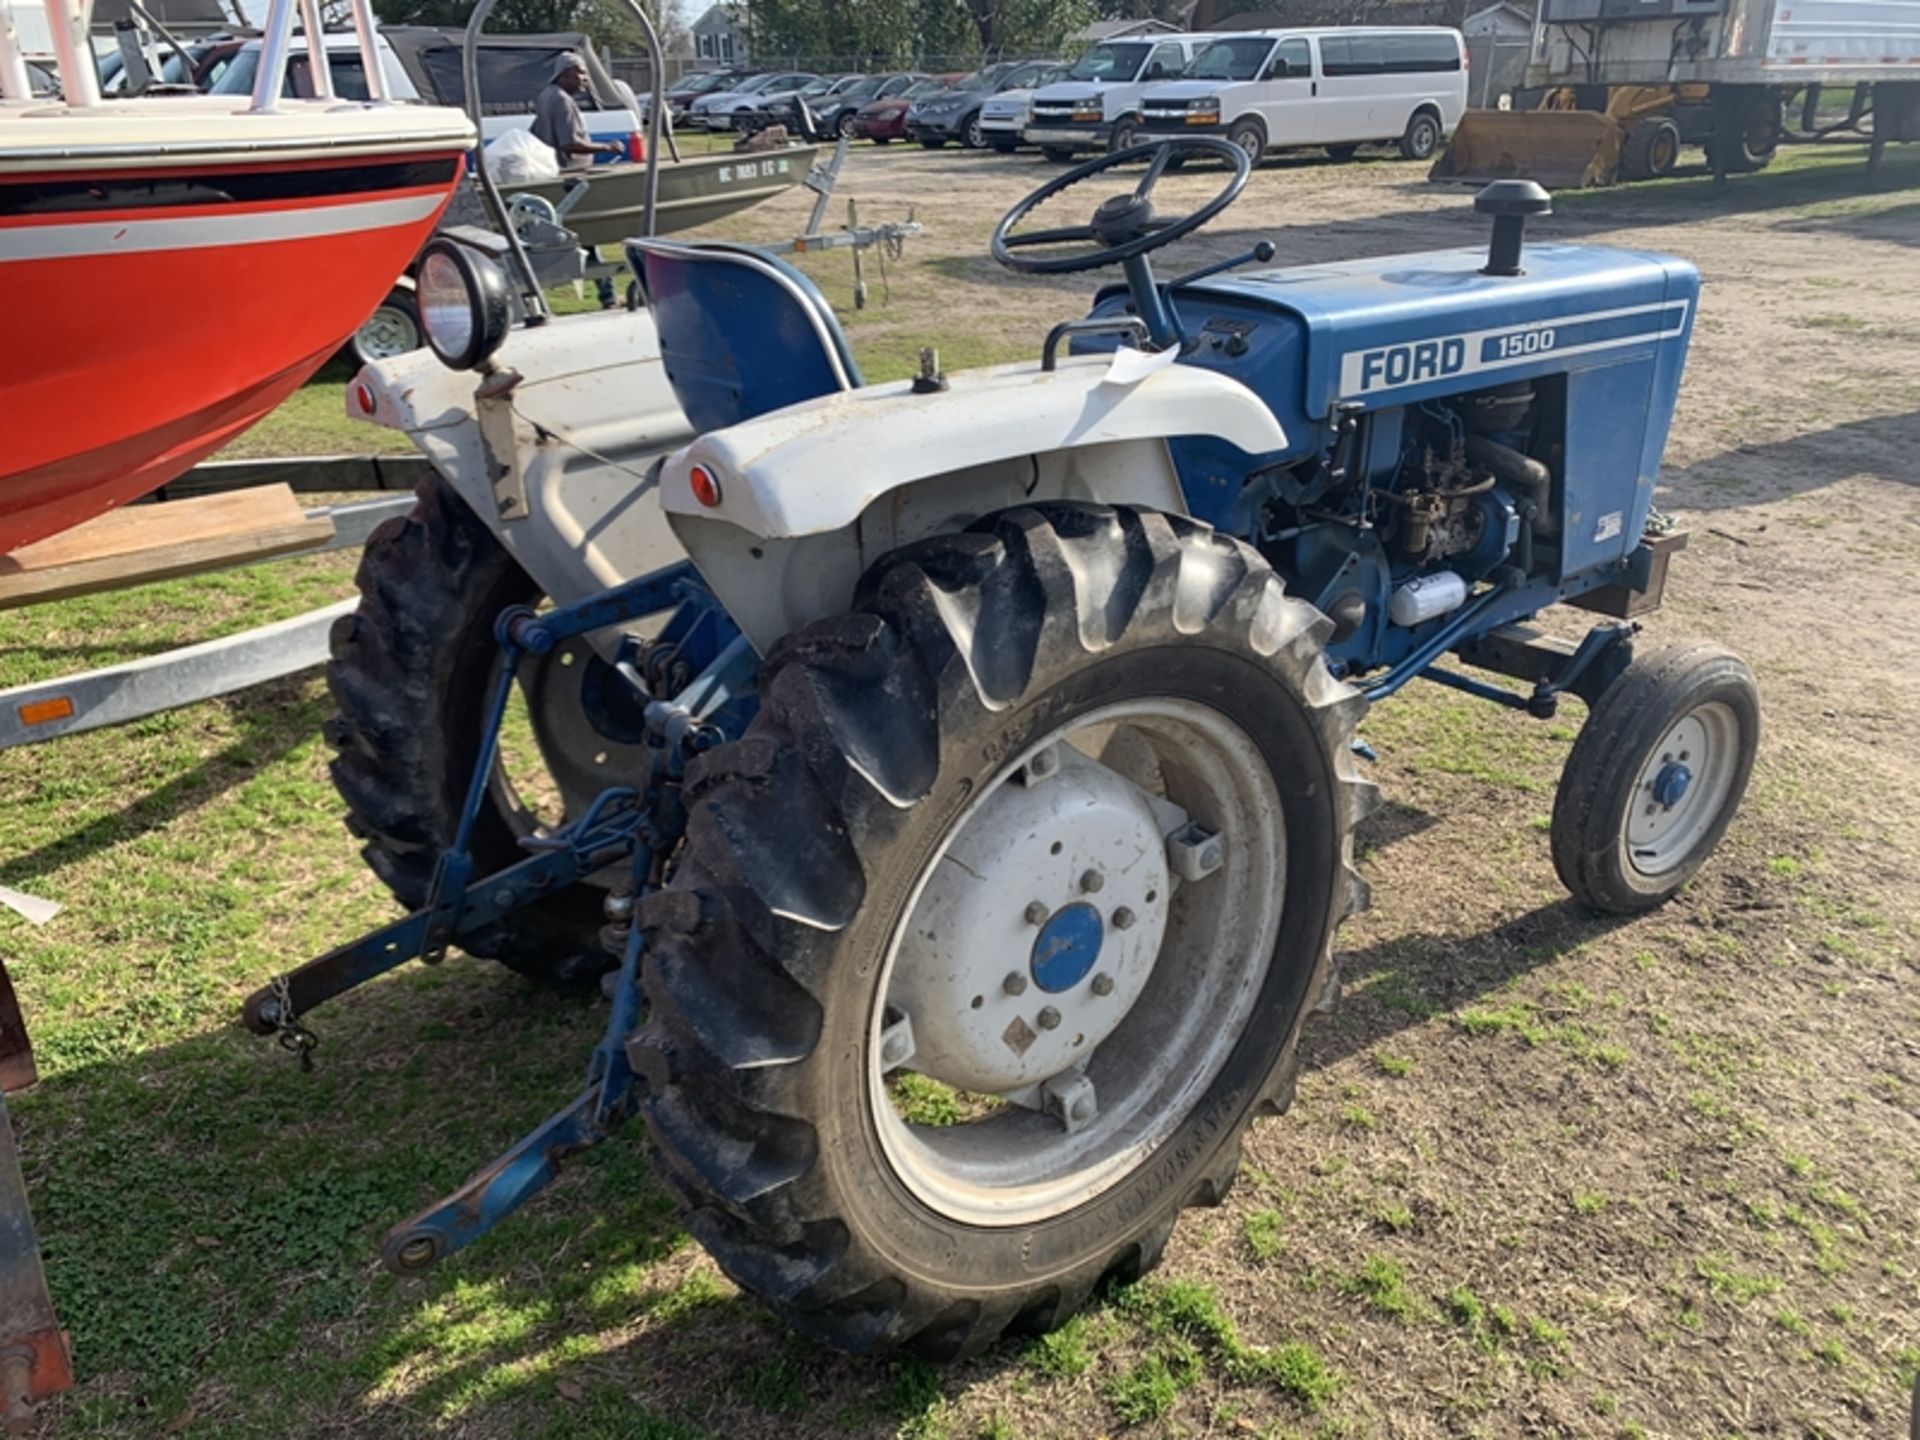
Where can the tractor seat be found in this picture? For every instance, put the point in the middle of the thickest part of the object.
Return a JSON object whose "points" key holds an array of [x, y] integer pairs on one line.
{"points": [[742, 332]]}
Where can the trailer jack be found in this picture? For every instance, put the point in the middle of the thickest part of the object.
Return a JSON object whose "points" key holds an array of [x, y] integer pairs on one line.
{"points": [[34, 1360]]}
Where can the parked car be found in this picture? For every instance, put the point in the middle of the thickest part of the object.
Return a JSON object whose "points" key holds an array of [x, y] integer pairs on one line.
{"points": [[422, 63], [715, 111], [682, 91], [1339, 88], [954, 114], [1003, 118], [1097, 107], [884, 121], [833, 113], [784, 109]]}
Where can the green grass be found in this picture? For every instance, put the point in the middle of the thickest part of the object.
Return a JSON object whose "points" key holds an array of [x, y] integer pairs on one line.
{"points": [[1381, 1282], [1262, 1229]]}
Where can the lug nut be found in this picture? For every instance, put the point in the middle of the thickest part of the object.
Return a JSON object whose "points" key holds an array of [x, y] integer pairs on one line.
{"points": [[1123, 919], [895, 1050], [1092, 881], [1015, 983], [1037, 913], [1103, 984], [1049, 1018]]}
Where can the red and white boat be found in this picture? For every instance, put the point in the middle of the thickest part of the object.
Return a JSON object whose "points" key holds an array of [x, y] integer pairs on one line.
{"points": [[171, 269]]}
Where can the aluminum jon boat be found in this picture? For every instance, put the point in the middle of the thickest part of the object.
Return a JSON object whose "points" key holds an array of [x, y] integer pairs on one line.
{"points": [[694, 191], [173, 268]]}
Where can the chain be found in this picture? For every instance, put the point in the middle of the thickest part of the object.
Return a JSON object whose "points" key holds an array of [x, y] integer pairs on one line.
{"points": [[287, 1028]]}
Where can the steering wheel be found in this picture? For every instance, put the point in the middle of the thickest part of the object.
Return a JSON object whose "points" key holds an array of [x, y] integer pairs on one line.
{"points": [[1124, 225]]}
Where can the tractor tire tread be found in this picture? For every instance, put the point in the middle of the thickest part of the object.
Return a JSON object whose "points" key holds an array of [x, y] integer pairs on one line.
{"points": [[403, 667], [1626, 719], [789, 829]]}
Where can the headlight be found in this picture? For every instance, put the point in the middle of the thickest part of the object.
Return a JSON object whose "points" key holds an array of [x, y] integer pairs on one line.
{"points": [[465, 307], [1088, 114], [1203, 112]]}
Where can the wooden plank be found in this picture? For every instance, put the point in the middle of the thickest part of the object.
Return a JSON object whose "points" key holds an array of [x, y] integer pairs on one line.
{"points": [[139, 544]]}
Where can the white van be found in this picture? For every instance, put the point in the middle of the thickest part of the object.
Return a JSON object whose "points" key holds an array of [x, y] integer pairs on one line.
{"points": [[1097, 105], [1340, 88]]}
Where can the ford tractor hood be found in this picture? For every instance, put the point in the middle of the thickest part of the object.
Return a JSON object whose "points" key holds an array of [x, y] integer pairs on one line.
{"points": [[1402, 328]]}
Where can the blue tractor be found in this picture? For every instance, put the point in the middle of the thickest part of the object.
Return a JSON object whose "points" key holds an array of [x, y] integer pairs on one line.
{"points": [[989, 735]]}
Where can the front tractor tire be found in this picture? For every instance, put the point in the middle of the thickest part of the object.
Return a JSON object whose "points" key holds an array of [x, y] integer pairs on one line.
{"points": [[1655, 777], [999, 926], [410, 672]]}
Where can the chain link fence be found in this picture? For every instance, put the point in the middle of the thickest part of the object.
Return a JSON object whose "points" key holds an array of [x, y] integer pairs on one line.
{"points": [[635, 71], [1495, 68]]}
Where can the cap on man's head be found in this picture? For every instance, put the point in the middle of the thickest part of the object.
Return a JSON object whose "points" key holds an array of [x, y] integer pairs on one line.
{"points": [[568, 60]]}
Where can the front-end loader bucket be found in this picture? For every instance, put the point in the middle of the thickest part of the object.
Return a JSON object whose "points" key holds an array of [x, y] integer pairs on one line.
{"points": [[1562, 149]]}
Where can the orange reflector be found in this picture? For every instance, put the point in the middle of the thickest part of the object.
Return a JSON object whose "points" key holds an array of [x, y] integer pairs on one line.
{"points": [[706, 489], [363, 397], [45, 712]]}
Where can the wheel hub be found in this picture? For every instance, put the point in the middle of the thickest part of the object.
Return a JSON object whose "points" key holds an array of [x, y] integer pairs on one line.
{"points": [[1065, 875], [1067, 948], [1670, 785], [1681, 789]]}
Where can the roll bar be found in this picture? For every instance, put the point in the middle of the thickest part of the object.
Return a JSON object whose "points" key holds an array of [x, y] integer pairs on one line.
{"points": [[538, 311], [68, 20]]}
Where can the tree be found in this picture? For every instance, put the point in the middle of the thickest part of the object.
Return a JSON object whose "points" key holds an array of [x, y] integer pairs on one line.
{"points": [[900, 32], [610, 27]]}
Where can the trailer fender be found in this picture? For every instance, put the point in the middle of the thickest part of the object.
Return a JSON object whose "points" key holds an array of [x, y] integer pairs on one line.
{"points": [[784, 512]]}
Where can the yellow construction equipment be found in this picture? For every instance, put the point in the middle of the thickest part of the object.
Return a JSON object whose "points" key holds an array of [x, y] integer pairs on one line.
{"points": [[1563, 147]]}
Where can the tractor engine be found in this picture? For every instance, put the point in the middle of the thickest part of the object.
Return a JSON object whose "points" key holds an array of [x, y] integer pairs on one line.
{"points": [[1410, 508], [1464, 489]]}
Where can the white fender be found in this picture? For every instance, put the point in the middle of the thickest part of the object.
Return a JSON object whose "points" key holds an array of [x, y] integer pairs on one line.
{"points": [[818, 466]]}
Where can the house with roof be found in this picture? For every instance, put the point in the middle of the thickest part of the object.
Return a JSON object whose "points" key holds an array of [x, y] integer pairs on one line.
{"points": [[720, 34], [1122, 30]]}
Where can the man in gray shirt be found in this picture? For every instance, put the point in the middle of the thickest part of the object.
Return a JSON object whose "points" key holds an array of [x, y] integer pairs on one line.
{"points": [[556, 120], [556, 117]]}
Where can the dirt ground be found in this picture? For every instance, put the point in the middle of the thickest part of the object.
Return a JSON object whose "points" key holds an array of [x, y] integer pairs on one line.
{"points": [[1547, 1174]]}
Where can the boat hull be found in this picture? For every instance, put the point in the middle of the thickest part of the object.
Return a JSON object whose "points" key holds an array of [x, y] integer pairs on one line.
{"points": [[156, 313], [693, 192]]}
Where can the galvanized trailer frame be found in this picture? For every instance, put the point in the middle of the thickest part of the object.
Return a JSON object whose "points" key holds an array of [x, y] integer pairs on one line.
{"points": [[34, 1359]]}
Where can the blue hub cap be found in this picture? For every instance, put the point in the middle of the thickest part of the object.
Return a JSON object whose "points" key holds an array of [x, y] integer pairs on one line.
{"points": [[1067, 947], [1671, 783]]}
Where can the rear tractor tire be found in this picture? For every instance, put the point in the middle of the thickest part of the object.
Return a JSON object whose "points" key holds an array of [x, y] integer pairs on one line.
{"points": [[410, 673], [999, 926], [1655, 777]]}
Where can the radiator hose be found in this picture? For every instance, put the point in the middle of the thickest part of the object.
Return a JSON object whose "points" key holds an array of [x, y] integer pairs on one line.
{"points": [[1521, 473]]}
